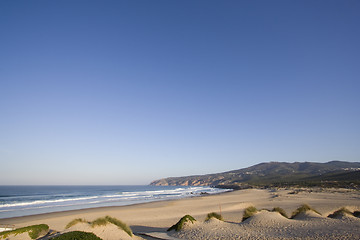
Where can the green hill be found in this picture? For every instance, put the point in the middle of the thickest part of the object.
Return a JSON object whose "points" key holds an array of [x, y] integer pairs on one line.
{"points": [[330, 174]]}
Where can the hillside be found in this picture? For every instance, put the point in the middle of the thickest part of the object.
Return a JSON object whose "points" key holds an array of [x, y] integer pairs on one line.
{"points": [[334, 173]]}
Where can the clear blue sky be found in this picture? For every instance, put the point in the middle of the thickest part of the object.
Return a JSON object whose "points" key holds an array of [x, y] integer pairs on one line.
{"points": [[125, 92]]}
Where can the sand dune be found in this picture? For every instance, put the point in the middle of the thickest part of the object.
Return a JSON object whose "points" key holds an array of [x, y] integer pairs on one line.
{"points": [[272, 225], [108, 232]]}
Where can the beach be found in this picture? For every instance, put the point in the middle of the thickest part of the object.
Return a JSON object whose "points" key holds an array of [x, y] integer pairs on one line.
{"points": [[156, 217]]}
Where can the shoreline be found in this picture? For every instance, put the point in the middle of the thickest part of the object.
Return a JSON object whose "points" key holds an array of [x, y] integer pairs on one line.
{"points": [[88, 197], [13, 220]]}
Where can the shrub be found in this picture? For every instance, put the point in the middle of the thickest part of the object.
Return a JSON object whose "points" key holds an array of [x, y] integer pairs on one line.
{"points": [[214, 215], [179, 225], [280, 210], [75, 221], [302, 209], [248, 212], [77, 235], [340, 212], [34, 231]]}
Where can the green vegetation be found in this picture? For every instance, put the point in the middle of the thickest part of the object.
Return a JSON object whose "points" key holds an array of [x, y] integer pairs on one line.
{"points": [[75, 221], [120, 224], [248, 212], [103, 222], [280, 210], [77, 235], [302, 209], [99, 222], [179, 225], [277, 174], [340, 212], [214, 215], [34, 231]]}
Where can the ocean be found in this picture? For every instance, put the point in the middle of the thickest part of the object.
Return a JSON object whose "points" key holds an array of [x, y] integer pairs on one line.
{"points": [[16, 201]]}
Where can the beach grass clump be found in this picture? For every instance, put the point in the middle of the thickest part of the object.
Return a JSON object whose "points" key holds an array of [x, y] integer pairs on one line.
{"points": [[103, 221], [280, 210], [74, 222], [302, 209], [341, 212], [214, 215], [180, 224], [248, 212], [77, 235], [34, 231], [99, 222], [120, 224]]}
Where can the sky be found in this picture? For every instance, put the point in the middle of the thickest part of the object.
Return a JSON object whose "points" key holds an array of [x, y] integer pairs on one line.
{"points": [[126, 92]]}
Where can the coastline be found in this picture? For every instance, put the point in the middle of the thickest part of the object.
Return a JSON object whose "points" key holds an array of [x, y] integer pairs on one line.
{"points": [[158, 216], [94, 210], [19, 201]]}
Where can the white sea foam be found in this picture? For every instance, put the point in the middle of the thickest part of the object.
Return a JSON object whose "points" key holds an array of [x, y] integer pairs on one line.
{"points": [[18, 206]]}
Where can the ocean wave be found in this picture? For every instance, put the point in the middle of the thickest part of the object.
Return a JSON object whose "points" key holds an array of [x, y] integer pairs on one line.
{"points": [[112, 199], [38, 202]]}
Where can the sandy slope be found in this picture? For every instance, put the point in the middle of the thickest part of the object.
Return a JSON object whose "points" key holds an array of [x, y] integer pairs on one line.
{"points": [[108, 232], [158, 216], [269, 225]]}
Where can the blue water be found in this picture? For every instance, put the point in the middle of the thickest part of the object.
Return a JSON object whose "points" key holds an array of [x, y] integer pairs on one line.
{"points": [[18, 201]]}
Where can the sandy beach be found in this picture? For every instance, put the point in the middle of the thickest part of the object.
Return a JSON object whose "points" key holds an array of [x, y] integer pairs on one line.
{"points": [[156, 217]]}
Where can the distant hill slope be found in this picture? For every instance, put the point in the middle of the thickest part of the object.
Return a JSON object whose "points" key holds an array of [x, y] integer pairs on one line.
{"points": [[332, 173]]}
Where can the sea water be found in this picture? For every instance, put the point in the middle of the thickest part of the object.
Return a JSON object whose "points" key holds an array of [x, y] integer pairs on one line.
{"points": [[16, 201]]}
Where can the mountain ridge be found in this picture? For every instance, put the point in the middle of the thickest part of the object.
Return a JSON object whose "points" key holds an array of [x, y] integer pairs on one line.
{"points": [[274, 173]]}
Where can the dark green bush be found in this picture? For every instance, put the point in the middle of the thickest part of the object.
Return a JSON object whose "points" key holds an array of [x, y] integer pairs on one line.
{"points": [[214, 215], [357, 214], [34, 231], [77, 235], [179, 225], [248, 212]]}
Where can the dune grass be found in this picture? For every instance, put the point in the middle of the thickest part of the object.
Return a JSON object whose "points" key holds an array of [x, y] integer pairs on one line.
{"points": [[214, 215], [180, 224], [120, 224], [34, 231], [280, 210], [75, 221], [103, 221], [340, 212], [77, 235], [248, 212], [302, 209], [99, 222]]}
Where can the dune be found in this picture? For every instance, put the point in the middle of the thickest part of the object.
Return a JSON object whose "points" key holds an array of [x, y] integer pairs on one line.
{"points": [[107, 232], [266, 218], [308, 215], [22, 236]]}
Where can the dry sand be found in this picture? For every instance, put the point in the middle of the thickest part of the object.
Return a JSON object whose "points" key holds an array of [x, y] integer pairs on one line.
{"points": [[157, 217]]}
